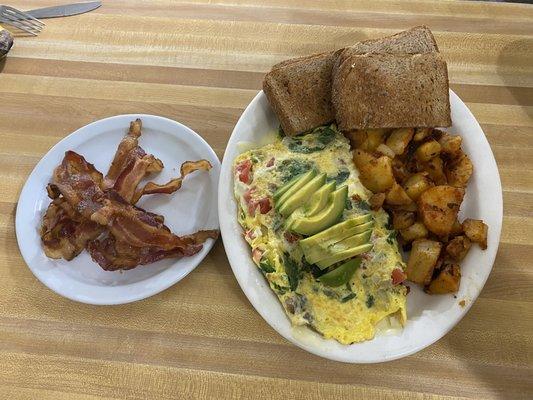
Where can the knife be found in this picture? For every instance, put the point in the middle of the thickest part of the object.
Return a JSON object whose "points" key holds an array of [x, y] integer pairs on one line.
{"points": [[64, 11]]}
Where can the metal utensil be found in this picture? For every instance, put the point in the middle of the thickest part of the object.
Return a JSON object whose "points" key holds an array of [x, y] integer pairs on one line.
{"points": [[20, 20], [64, 11]]}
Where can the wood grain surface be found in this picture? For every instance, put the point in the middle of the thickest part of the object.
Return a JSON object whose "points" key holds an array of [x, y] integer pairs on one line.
{"points": [[201, 63]]}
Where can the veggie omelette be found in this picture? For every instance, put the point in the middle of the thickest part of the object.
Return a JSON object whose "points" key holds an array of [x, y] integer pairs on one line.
{"points": [[333, 263]]}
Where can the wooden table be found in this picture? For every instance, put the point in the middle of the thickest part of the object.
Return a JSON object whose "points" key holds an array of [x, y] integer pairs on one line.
{"points": [[201, 63]]}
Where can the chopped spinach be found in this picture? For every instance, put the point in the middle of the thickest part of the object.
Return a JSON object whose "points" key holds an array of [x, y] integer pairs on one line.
{"points": [[348, 297], [391, 236], [370, 301], [389, 225], [277, 223], [348, 204], [266, 266], [293, 272], [340, 177], [292, 167], [330, 293], [315, 141], [280, 289], [363, 205]]}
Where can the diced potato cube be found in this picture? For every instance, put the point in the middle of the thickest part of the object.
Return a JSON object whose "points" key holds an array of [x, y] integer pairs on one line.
{"points": [[457, 228], [374, 138], [458, 247], [447, 281], [428, 150], [417, 184], [375, 173], [357, 137], [385, 150], [396, 196], [421, 134], [399, 170], [399, 139], [459, 171], [438, 207], [450, 144], [422, 260], [435, 170], [413, 232], [476, 230], [402, 219], [376, 201]]}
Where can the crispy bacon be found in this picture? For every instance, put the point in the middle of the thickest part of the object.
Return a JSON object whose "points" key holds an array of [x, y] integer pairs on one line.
{"points": [[175, 184]]}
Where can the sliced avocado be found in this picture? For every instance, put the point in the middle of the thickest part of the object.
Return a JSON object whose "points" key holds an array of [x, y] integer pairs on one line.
{"points": [[325, 218], [318, 253], [319, 199], [343, 255], [342, 274], [278, 193], [340, 231], [302, 196], [300, 183]]}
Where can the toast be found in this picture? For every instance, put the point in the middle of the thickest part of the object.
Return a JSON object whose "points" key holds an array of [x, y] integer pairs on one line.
{"points": [[391, 91], [300, 92]]}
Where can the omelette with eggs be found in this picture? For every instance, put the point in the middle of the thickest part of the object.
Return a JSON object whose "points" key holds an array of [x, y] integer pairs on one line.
{"points": [[332, 261]]}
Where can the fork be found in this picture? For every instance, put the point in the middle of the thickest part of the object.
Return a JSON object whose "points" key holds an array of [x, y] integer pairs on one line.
{"points": [[20, 20]]}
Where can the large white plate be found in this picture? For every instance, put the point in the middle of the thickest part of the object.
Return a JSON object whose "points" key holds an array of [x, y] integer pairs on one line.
{"points": [[190, 209], [429, 317]]}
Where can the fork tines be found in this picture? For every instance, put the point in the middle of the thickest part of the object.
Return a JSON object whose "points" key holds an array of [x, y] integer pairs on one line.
{"points": [[20, 20]]}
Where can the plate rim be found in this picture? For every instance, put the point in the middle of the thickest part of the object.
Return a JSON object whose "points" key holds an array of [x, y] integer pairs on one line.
{"points": [[71, 140], [260, 96]]}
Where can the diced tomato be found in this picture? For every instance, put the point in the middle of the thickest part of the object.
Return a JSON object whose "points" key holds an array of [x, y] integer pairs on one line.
{"points": [[398, 276], [290, 237], [247, 196], [244, 170], [250, 234], [264, 205], [270, 162], [257, 254]]}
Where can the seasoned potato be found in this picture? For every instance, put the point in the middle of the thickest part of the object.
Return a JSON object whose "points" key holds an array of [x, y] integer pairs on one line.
{"points": [[402, 219], [416, 184], [396, 196], [457, 228], [375, 173], [376, 201], [435, 170], [399, 170], [385, 150], [450, 144], [476, 230], [459, 171], [422, 260], [399, 139], [428, 150], [374, 137], [438, 207], [447, 281], [414, 232], [421, 134], [458, 247]]}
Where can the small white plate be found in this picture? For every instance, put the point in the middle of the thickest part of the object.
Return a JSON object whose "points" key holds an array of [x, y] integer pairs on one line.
{"points": [[429, 317], [190, 209]]}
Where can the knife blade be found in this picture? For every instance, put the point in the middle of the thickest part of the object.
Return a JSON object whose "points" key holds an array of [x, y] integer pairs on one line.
{"points": [[64, 11]]}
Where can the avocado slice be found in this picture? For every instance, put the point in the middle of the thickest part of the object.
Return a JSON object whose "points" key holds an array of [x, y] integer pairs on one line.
{"points": [[278, 193], [317, 253], [343, 255], [342, 274], [300, 183], [340, 231], [325, 218], [302, 196], [320, 198]]}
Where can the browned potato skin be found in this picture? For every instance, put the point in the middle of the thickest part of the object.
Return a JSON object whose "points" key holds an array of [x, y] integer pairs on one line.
{"points": [[399, 139], [458, 247], [399, 170], [416, 184], [459, 171], [422, 260], [376, 201], [375, 173], [414, 232], [402, 219], [476, 230], [428, 150], [396, 196], [447, 281], [435, 170], [438, 207], [450, 144]]}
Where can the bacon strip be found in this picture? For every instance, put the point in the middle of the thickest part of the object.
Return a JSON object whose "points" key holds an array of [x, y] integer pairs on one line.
{"points": [[175, 184]]}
